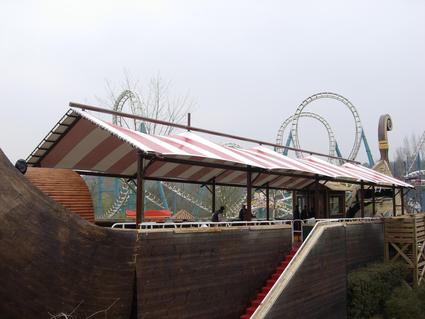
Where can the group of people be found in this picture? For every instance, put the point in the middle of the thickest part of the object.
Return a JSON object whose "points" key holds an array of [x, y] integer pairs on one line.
{"points": [[243, 214]]}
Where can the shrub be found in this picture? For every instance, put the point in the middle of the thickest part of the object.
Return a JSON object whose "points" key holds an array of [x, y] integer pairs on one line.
{"points": [[403, 304], [406, 303], [369, 288]]}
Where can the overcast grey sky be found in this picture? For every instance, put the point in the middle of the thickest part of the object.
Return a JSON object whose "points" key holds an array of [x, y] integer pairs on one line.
{"points": [[247, 64]]}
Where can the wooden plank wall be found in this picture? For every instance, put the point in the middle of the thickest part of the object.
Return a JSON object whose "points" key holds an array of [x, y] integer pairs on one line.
{"points": [[51, 260], [365, 244], [318, 288], [212, 273]]}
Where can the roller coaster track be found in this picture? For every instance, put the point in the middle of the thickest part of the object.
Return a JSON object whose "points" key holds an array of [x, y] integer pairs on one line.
{"points": [[132, 99], [417, 151], [150, 196], [186, 196], [289, 120], [328, 95], [333, 145], [416, 178]]}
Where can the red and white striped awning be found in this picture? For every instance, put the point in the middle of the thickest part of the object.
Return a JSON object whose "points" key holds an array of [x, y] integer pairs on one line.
{"points": [[375, 176], [83, 142], [335, 170], [355, 172]]}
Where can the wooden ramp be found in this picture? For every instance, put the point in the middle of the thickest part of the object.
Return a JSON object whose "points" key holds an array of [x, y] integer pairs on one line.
{"points": [[313, 284]]}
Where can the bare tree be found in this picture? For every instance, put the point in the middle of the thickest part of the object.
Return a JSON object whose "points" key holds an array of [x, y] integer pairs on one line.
{"points": [[154, 100], [404, 155]]}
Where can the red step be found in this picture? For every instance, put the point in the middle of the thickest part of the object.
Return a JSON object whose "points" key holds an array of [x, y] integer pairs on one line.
{"points": [[263, 294], [288, 258], [255, 303], [269, 284], [250, 310], [276, 276], [265, 290], [281, 267]]}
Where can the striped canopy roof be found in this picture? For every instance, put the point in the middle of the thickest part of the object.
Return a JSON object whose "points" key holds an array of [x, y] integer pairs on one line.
{"points": [[83, 142]]}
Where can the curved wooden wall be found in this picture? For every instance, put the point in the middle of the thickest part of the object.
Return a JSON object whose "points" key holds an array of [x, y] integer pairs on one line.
{"points": [[52, 261], [65, 187]]}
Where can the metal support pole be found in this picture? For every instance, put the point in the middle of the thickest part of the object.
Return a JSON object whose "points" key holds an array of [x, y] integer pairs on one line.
{"points": [[402, 200], [394, 203], [268, 201], [362, 199], [373, 201], [213, 196], [140, 191], [326, 205], [316, 209], [248, 195]]}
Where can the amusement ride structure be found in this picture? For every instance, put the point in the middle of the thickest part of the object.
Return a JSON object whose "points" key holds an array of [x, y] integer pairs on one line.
{"points": [[293, 137], [418, 173], [128, 99], [334, 150]]}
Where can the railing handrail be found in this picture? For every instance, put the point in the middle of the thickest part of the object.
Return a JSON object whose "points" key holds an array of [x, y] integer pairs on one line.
{"points": [[239, 222], [151, 225]]}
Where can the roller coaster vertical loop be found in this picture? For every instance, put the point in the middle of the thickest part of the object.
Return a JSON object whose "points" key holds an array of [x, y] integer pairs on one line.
{"points": [[285, 124], [328, 95]]}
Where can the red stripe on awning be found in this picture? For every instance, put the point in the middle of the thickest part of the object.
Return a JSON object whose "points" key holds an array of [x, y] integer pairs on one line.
{"points": [[201, 173], [214, 151], [141, 139], [180, 146], [123, 163], [100, 151], [80, 130]]}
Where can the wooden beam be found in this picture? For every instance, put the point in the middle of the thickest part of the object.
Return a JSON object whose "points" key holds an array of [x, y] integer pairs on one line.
{"points": [[248, 195], [140, 191], [373, 201], [402, 200], [362, 199], [213, 196], [394, 203], [268, 201], [316, 210]]}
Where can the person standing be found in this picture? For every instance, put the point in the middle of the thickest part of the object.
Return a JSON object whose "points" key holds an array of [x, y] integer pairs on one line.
{"points": [[243, 213], [296, 217], [216, 216], [304, 214]]}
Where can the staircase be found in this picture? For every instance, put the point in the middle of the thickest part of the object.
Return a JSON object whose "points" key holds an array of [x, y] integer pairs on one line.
{"points": [[269, 284]]}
